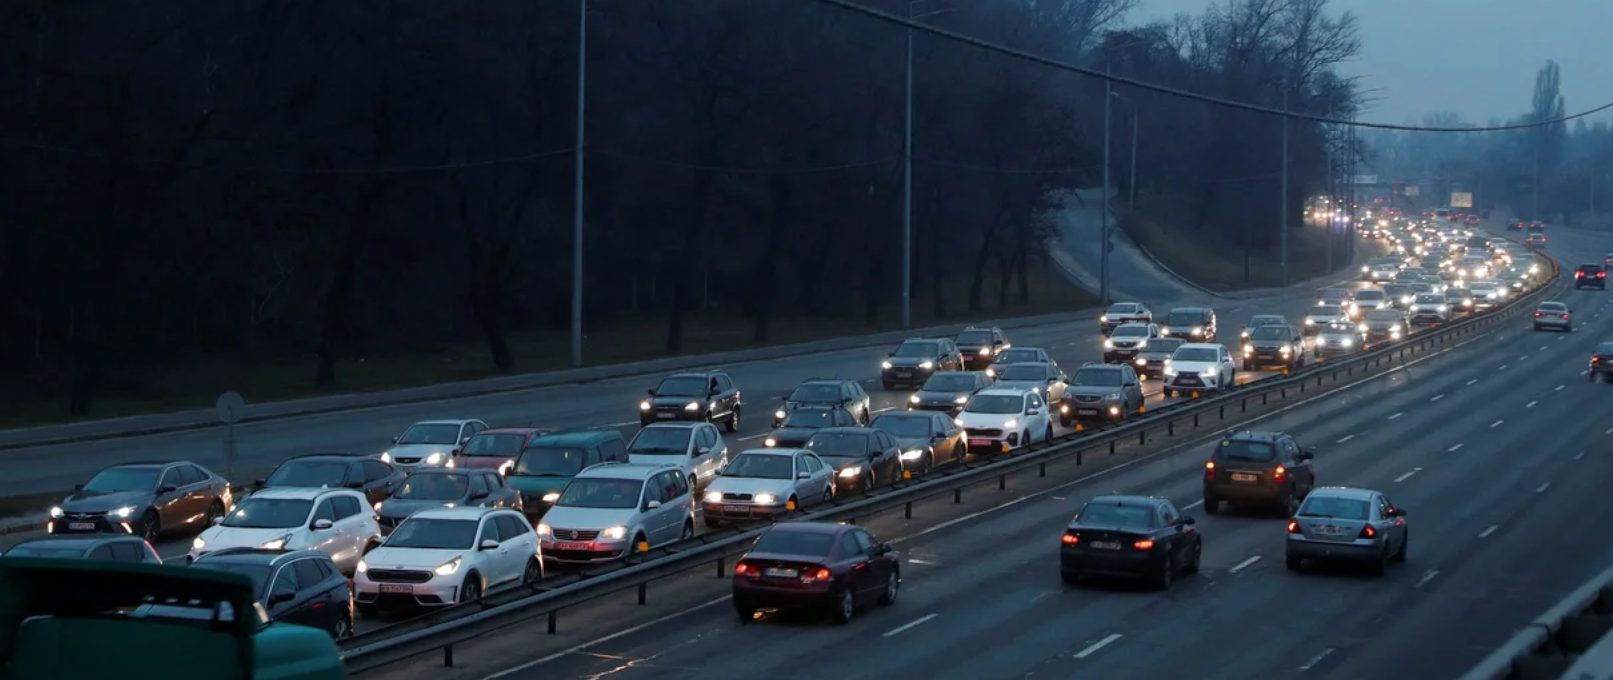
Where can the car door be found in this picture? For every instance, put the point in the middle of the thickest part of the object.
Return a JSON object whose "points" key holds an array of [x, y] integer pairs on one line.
{"points": [[496, 561], [1055, 384], [703, 453], [170, 498], [654, 519], [327, 541], [888, 455], [287, 602], [860, 576], [358, 524], [502, 495], [380, 480], [478, 493], [1304, 477], [318, 590], [729, 399], [1036, 417], [1131, 389], [198, 491], [878, 567], [1397, 525], [1170, 521], [951, 447], [522, 540]]}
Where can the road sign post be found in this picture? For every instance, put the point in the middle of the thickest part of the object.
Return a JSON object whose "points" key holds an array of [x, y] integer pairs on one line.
{"points": [[229, 407]]}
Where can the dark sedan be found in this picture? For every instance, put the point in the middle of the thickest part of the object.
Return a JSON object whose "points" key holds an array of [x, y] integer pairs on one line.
{"points": [[147, 500], [802, 423], [337, 471], [1151, 361], [916, 359], [295, 586], [925, 439], [109, 548], [445, 488], [862, 457], [947, 392], [816, 565], [1130, 536]]}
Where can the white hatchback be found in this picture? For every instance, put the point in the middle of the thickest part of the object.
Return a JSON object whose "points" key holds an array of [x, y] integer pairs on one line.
{"points": [[447, 556], [1001, 418], [337, 522]]}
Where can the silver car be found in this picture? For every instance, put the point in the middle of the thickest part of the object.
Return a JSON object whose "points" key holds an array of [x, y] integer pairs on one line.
{"points": [[1429, 308], [1356, 525], [1322, 316], [1043, 378], [1338, 339], [1553, 315], [763, 483], [612, 510]]}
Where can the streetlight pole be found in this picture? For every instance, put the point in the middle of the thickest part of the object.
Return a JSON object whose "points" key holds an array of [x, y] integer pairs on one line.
{"points": [[1103, 208], [1282, 217], [907, 187], [1131, 199], [577, 181]]}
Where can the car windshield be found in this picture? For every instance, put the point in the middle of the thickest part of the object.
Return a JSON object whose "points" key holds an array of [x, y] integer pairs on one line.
{"points": [[682, 386], [123, 479], [1340, 327], [838, 444], [1369, 296], [1111, 514], [1194, 354], [919, 349], [430, 533], [1430, 298], [904, 425], [446, 434], [44, 549], [433, 487], [1023, 372], [1238, 449], [1131, 331], [598, 492], [258, 573], [760, 466], [549, 461], [951, 381], [257, 512], [1334, 508], [1335, 294], [1420, 287], [1263, 320], [995, 403], [662, 441], [494, 445], [1456, 293], [1021, 355], [1096, 377], [816, 393], [1327, 310], [1184, 318], [309, 474], [1269, 333], [1383, 315], [1398, 290], [810, 544], [974, 338], [1165, 345], [1552, 307], [1123, 308]]}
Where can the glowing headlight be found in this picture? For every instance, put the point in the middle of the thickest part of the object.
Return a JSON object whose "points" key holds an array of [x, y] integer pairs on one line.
{"points": [[1443, 308], [56, 512], [852, 471], [1243, 334], [1198, 330], [362, 567], [1141, 361], [1284, 349], [770, 442], [885, 365], [1467, 303], [1164, 330], [1103, 319], [991, 373], [644, 406], [985, 351], [958, 422], [692, 406], [927, 365], [546, 530], [1394, 330], [1346, 342], [447, 568], [1406, 299], [764, 498], [198, 544], [961, 399], [1365, 269], [713, 496], [1248, 350], [123, 512], [275, 544], [1108, 344], [779, 414], [913, 399], [386, 456], [1142, 344], [1363, 328], [434, 459], [1309, 321], [377, 506], [1011, 424], [614, 532], [914, 454], [551, 497]]}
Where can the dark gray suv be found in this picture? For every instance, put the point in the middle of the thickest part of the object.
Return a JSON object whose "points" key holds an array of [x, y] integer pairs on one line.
{"points": [[1274, 346], [1267, 469]]}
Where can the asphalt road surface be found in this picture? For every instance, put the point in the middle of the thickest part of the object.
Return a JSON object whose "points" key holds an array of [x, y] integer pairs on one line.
{"points": [[1496, 447]]}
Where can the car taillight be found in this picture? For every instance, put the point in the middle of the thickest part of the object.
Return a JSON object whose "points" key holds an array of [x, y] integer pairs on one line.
{"points": [[820, 575], [1565, 316], [1072, 539], [1601, 275], [1280, 474], [1293, 526], [1209, 469], [1145, 544], [742, 568], [1367, 532], [1579, 275], [1537, 315]]}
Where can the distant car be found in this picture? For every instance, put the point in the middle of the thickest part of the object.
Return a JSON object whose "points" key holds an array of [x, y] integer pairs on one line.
{"points": [[1322, 315], [1554, 315], [497, 448], [1200, 366], [1267, 469], [1601, 368], [916, 359], [1042, 378], [863, 458], [109, 548], [1126, 341], [1460, 300], [1259, 320], [818, 566], [1537, 239], [550, 461], [767, 483], [829, 393], [802, 423], [925, 439], [979, 346], [1192, 324], [709, 397], [445, 488], [1130, 536], [1339, 338], [1019, 355], [1384, 325], [1430, 308], [1590, 276], [296, 586], [1151, 361], [446, 556], [1369, 299], [432, 443], [613, 510], [373, 478], [998, 420], [148, 500], [696, 447], [336, 522], [1358, 525], [948, 391], [1101, 392], [1121, 313]]}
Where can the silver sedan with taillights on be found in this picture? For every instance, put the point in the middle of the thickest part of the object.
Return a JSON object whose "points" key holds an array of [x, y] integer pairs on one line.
{"points": [[1345, 524]]}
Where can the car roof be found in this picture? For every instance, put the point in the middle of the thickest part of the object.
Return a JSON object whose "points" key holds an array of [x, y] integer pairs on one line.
{"points": [[459, 421], [1189, 309], [1003, 391], [1254, 436], [83, 541], [674, 425], [1200, 345], [865, 431], [1027, 363], [696, 374], [1553, 304], [1124, 499], [824, 381], [772, 452], [810, 527], [623, 470], [448, 471], [1268, 317], [575, 438], [464, 512], [333, 456], [141, 465], [301, 493], [1095, 366], [258, 555], [518, 430], [1341, 492]]}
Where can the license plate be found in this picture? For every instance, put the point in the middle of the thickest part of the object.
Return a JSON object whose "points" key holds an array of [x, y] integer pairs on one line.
{"points": [[781, 573], [736, 509], [1100, 545], [904, 374], [1331, 531], [1245, 478], [981, 442], [81, 526], [666, 416], [573, 546], [397, 588], [1087, 411]]}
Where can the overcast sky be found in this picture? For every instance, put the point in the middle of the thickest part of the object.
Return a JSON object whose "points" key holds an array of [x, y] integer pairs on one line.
{"points": [[1476, 58]]}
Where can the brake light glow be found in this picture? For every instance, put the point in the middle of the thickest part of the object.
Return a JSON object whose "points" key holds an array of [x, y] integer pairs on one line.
{"points": [[1601, 275], [1565, 316], [1145, 544], [1280, 474], [1209, 469], [1367, 532], [1293, 526], [1071, 539], [1537, 315], [742, 568], [821, 575], [1579, 275]]}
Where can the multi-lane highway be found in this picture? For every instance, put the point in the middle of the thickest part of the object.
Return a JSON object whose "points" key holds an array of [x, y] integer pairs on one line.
{"points": [[1496, 447]]}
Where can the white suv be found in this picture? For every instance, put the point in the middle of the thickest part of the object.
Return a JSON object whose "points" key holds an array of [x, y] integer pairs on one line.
{"points": [[1002, 418], [337, 522], [446, 556], [1430, 308], [1198, 367], [612, 510]]}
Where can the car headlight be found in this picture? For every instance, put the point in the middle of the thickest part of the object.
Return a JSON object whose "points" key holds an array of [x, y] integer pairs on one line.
{"points": [[1248, 349], [1406, 299], [770, 442], [1394, 330], [1108, 344], [56, 512], [927, 365], [123, 512], [961, 399], [1011, 424], [551, 497], [1443, 308], [1467, 303], [617, 532], [985, 351], [1103, 319], [386, 456], [198, 544], [1365, 269], [764, 498], [1243, 334], [434, 459], [885, 365], [713, 496], [1198, 330], [991, 372], [545, 530], [1346, 342], [1309, 321], [958, 422], [779, 414], [362, 567], [377, 505], [1141, 361], [692, 406], [913, 399], [1363, 328], [644, 406], [1285, 349], [1142, 344], [447, 568], [852, 471], [276, 544]]}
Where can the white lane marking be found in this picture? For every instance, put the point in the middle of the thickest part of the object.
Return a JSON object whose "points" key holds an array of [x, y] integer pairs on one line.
{"points": [[1472, 381], [754, 436], [1543, 487], [1316, 659], [1486, 533], [1559, 388], [871, 380], [1408, 475], [1243, 565], [598, 641], [1497, 423], [1609, 431], [1428, 576], [1583, 372], [882, 410], [1346, 438], [1543, 348], [1579, 455], [923, 562], [622, 424], [1530, 404], [1194, 504], [1523, 357], [1397, 415], [910, 625], [1502, 368], [1097, 646], [1437, 397], [1453, 448]]}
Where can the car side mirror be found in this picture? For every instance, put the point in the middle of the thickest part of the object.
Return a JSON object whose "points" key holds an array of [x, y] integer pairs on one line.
{"points": [[167, 488], [322, 524], [803, 475], [1032, 412], [652, 505], [885, 549], [464, 441], [938, 437], [396, 438], [281, 598], [479, 495], [1189, 520], [702, 451], [217, 521], [650, 391], [489, 544], [80, 487]]}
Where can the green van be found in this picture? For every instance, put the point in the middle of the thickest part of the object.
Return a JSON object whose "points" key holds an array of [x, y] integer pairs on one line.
{"points": [[548, 463], [72, 619]]}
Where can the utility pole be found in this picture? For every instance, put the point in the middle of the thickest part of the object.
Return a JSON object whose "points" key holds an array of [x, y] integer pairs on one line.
{"points": [[577, 181], [1136, 114], [1103, 208], [1332, 200], [1282, 215], [907, 188]]}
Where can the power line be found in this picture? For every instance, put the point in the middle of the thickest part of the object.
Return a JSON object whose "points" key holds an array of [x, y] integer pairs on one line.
{"points": [[750, 170], [954, 36], [1006, 171], [269, 170]]}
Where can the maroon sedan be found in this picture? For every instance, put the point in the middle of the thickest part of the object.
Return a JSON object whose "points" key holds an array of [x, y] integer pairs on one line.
{"points": [[812, 565], [498, 448]]}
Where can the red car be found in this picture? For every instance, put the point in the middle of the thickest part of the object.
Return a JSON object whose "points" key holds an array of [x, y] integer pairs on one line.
{"points": [[498, 447], [816, 565]]}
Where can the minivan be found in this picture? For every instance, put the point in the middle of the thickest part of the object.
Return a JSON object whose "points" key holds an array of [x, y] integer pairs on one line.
{"points": [[549, 462]]}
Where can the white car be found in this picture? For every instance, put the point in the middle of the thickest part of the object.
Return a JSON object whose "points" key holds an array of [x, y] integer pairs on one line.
{"points": [[760, 483], [1042, 378], [612, 510], [446, 556], [432, 443], [1323, 316], [1198, 367], [1487, 294], [337, 522], [999, 419], [696, 447], [1368, 299], [1429, 308]]}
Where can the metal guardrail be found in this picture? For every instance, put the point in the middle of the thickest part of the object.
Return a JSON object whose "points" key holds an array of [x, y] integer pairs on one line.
{"points": [[463, 623], [1569, 641]]}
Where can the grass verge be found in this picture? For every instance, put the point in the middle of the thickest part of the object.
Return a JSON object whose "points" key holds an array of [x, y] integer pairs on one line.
{"points": [[139, 390], [1217, 263]]}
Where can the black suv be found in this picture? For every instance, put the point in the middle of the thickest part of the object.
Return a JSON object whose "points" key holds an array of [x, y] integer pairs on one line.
{"points": [[1601, 363], [712, 395], [295, 586], [1590, 276], [979, 345], [916, 359], [1274, 346], [1258, 468], [829, 393]]}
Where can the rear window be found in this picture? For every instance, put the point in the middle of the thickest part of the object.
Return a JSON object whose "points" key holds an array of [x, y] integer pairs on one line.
{"points": [[800, 543], [1336, 508], [1369, 295], [1113, 514], [1238, 449], [1552, 307], [1590, 268]]}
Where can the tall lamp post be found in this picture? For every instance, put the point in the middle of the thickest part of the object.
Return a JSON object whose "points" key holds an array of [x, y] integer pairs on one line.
{"points": [[577, 182], [907, 172], [1136, 115]]}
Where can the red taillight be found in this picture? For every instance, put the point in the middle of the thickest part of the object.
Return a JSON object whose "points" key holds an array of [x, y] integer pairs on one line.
{"points": [[742, 568], [1565, 316], [1595, 359], [1601, 275], [1367, 532], [1579, 275], [1293, 526], [1280, 474], [1145, 544], [1072, 539], [1209, 469], [1537, 315], [821, 574]]}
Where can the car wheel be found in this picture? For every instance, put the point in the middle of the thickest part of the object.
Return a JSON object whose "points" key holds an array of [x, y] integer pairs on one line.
{"points": [[927, 462], [151, 527], [341, 629], [688, 529], [533, 571], [1066, 421], [733, 421], [845, 606], [1048, 436], [471, 591], [1405, 547], [1167, 574], [215, 510], [828, 492], [1168, 392], [1198, 553], [893, 585], [1024, 439], [744, 610]]}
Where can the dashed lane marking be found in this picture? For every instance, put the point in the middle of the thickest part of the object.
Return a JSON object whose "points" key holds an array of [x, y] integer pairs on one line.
{"points": [[1243, 565], [1486, 533], [1098, 646], [1454, 447]]}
